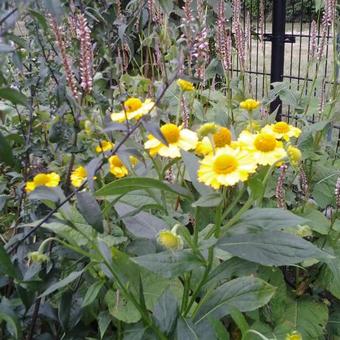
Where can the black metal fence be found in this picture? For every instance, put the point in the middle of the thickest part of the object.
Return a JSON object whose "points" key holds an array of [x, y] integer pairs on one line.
{"points": [[286, 53]]}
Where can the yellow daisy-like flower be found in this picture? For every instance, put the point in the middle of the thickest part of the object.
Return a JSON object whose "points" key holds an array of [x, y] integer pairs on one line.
{"points": [[264, 146], [134, 109], [250, 104], [221, 138], [294, 154], [204, 147], [117, 167], [104, 146], [185, 85], [226, 167], [177, 138], [49, 180], [282, 130], [170, 239], [294, 336], [78, 176]]}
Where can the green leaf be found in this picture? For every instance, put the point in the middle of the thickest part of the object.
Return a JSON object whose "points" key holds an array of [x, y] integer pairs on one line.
{"points": [[245, 294], [69, 233], [104, 320], [271, 248], [239, 320], [186, 330], [6, 155], [62, 283], [329, 277], [169, 263], [191, 166], [210, 200], [6, 265], [90, 209], [44, 193], [41, 19], [13, 96], [306, 316], [121, 308], [11, 319], [316, 220], [220, 329], [92, 293], [165, 311], [140, 224], [134, 331], [166, 5], [125, 185], [269, 218], [5, 48]]}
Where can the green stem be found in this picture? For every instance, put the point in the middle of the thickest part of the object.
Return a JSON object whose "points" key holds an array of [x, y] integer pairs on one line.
{"points": [[202, 282], [218, 220], [235, 218], [186, 290], [179, 107], [144, 314], [234, 203]]}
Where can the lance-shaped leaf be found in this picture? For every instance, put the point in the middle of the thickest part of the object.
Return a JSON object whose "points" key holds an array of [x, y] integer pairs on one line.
{"points": [[271, 248], [245, 294]]}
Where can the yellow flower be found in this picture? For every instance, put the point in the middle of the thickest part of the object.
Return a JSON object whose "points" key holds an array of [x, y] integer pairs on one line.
{"points": [[204, 147], [117, 167], [282, 130], [226, 167], [170, 240], [185, 85], [294, 154], [134, 109], [207, 129], [104, 146], [177, 139], [78, 176], [221, 138], [37, 257], [49, 180], [250, 104], [264, 146], [294, 336]]}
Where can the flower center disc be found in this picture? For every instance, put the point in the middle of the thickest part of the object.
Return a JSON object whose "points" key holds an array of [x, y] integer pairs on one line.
{"points": [[222, 137], [281, 127], [170, 133], [265, 142], [132, 104], [225, 164], [115, 161]]}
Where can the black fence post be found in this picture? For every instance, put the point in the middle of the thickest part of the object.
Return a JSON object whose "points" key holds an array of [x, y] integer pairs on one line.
{"points": [[278, 50]]}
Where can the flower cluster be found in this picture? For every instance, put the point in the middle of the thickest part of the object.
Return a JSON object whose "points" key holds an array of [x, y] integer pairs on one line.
{"points": [[224, 161], [229, 162]]}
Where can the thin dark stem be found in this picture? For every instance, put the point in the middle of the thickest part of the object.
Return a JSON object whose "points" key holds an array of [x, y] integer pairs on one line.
{"points": [[8, 15], [34, 318]]}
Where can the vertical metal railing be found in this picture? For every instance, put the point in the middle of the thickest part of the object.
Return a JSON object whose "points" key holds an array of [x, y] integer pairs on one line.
{"points": [[290, 39], [278, 50]]}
